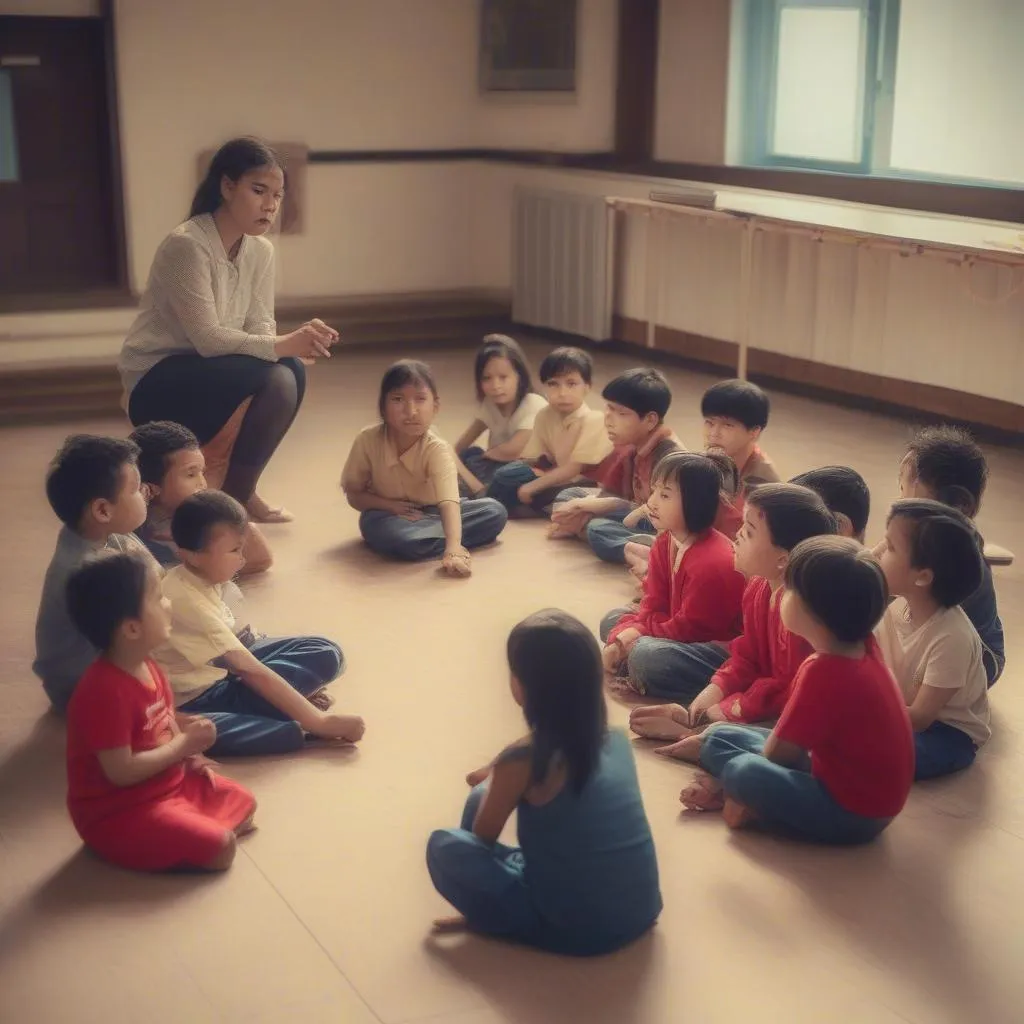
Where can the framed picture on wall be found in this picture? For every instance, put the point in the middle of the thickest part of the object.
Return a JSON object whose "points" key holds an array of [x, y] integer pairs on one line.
{"points": [[528, 45]]}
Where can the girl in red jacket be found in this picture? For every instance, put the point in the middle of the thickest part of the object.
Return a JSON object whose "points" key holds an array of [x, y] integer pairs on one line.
{"points": [[753, 685], [672, 643]]}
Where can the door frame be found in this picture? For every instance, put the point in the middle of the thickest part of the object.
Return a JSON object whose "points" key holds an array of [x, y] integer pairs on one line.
{"points": [[118, 293]]}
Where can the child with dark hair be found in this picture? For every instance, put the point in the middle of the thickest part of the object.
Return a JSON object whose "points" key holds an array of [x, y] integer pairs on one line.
{"points": [[846, 494], [585, 878], [675, 640], [173, 468], [754, 684], [946, 464], [637, 402], [508, 407], [932, 560], [264, 695], [139, 792], [735, 414], [93, 487], [567, 437], [839, 764], [403, 480]]}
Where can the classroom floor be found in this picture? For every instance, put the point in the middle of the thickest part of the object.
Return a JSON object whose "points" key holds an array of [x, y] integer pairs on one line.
{"points": [[325, 915]]}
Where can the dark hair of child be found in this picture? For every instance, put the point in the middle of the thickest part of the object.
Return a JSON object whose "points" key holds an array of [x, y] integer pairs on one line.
{"points": [[793, 513], [737, 400], [841, 584], [233, 160], [949, 462], [104, 591], [700, 483], [196, 517], [729, 470], [401, 374], [565, 360], [558, 664], [644, 390], [157, 442], [946, 541], [85, 469], [501, 346], [843, 490]]}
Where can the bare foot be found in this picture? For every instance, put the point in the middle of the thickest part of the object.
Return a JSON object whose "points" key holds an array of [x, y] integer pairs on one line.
{"points": [[556, 532], [660, 721], [621, 685], [260, 512], [737, 815], [322, 700], [686, 749], [703, 794], [331, 726], [247, 826], [450, 925]]}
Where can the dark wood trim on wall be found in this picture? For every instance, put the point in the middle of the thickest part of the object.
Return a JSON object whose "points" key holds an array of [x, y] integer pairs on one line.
{"points": [[637, 82], [984, 202], [114, 136], [863, 390]]}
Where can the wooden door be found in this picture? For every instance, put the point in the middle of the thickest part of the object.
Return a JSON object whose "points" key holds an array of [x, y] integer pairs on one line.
{"points": [[57, 223]]}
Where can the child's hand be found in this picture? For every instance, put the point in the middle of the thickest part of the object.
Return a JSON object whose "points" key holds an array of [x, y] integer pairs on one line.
{"points": [[628, 637], [457, 562], [478, 775], [611, 658], [331, 726], [199, 734], [525, 494], [202, 765]]}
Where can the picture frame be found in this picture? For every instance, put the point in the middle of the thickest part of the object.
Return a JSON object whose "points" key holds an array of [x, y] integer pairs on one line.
{"points": [[528, 45]]}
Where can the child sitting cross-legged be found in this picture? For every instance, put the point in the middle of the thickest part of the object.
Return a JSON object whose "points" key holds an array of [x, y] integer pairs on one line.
{"points": [[93, 487], [265, 696], [679, 635], [634, 418], [946, 464], [754, 684], [932, 559], [567, 436], [585, 878], [173, 468], [139, 792], [839, 764]]}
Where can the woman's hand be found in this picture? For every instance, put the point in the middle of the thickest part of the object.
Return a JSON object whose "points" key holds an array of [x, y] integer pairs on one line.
{"points": [[313, 340], [457, 562]]}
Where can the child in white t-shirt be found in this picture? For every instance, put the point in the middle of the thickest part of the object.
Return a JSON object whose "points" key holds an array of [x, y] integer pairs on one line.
{"points": [[508, 406], [932, 560]]}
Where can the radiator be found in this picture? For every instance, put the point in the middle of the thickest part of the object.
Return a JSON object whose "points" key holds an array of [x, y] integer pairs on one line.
{"points": [[560, 262]]}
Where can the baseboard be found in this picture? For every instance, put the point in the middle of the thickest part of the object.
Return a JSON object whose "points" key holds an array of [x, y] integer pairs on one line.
{"points": [[48, 394], [819, 380]]}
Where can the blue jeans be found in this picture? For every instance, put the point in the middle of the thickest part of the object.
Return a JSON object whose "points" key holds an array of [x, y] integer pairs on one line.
{"points": [[941, 750], [509, 478], [479, 465], [787, 799], [606, 535], [416, 539], [665, 668], [249, 725]]}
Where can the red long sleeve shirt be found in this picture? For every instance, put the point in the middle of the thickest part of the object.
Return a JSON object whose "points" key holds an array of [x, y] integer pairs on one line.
{"points": [[697, 603], [763, 659]]}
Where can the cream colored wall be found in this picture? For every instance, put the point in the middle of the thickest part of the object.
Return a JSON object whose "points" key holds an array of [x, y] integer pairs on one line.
{"points": [[358, 74], [692, 84]]}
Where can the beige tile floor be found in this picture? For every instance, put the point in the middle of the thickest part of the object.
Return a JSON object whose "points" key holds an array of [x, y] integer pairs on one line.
{"points": [[325, 914]]}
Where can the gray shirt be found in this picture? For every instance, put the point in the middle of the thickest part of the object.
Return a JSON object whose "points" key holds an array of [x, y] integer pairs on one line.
{"points": [[62, 653]]}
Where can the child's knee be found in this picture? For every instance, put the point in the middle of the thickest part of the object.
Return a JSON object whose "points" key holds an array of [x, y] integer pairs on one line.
{"points": [[223, 860]]}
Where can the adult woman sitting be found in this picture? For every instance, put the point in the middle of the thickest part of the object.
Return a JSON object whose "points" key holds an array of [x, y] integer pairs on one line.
{"points": [[205, 340]]}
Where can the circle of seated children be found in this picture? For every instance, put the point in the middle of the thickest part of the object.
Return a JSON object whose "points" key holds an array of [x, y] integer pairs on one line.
{"points": [[811, 679]]}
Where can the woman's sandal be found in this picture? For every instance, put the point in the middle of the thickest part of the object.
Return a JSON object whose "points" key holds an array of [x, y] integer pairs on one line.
{"points": [[260, 512]]}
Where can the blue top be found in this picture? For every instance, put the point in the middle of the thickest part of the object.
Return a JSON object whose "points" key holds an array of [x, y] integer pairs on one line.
{"points": [[589, 859], [981, 609]]}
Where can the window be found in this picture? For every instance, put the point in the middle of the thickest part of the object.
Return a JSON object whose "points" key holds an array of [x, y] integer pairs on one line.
{"points": [[8, 137], [927, 89]]}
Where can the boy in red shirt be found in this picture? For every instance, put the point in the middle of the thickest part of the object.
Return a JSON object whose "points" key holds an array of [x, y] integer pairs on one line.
{"points": [[839, 764], [139, 793], [669, 646], [637, 402], [752, 686]]}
